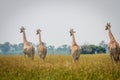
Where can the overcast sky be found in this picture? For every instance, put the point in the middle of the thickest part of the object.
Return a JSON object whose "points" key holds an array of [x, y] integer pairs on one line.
{"points": [[56, 17]]}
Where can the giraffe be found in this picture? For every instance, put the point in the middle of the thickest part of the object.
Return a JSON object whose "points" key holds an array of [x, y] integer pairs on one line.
{"points": [[28, 48], [75, 49], [42, 51], [113, 45]]}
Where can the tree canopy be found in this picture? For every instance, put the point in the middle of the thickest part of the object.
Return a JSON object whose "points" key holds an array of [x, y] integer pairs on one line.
{"points": [[8, 48]]}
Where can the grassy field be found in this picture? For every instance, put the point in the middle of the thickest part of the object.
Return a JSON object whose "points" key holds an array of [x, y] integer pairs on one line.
{"points": [[59, 67]]}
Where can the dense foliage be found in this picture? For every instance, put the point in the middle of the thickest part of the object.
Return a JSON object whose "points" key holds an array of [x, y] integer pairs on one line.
{"points": [[8, 48]]}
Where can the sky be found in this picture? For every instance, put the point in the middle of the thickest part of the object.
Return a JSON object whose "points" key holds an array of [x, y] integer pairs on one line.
{"points": [[56, 17]]}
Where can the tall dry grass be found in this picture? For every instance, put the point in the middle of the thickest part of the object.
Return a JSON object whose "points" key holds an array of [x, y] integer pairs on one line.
{"points": [[59, 67]]}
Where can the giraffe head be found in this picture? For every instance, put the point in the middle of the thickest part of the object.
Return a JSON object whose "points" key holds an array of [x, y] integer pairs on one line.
{"points": [[108, 26], [71, 32], [22, 29], [38, 31]]}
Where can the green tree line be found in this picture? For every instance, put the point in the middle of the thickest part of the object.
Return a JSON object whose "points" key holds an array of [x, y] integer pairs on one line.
{"points": [[8, 48]]}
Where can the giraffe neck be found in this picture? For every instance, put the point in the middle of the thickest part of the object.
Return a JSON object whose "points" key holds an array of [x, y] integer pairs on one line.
{"points": [[73, 42], [111, 35], [40, 41], [24, 37]]}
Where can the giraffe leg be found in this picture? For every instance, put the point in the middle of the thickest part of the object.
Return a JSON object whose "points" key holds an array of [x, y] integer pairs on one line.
{"points": [[111, 56], [74, 61], [117, 58], [74, 58], [41, 56], [32, 57], [116, 55], [24, 55]]}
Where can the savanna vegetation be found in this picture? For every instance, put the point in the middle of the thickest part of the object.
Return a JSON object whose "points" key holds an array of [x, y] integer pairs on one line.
{"points": [[59, 67], [8, 48]]}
